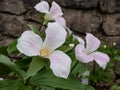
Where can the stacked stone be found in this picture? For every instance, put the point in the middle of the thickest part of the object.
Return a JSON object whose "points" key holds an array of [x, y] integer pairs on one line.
{"points": [[99, 17]]}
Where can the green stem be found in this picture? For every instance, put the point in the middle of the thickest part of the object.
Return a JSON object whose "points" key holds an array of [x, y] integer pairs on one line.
{"points": [[41, 23], [94, 68], [74, 65]]}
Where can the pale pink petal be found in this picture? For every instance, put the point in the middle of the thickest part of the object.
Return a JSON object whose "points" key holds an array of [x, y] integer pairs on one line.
{"points": [[61, 20], [29, 43], [60, 64], [42, 7], [55, 36], [80, 40], [81, 55], [101, 58], [55, 10], [92, 43]]}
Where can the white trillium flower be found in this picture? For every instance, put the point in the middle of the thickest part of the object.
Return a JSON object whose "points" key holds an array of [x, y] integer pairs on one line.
{"points": [[53, 13], [87, 52], [31, 44]]}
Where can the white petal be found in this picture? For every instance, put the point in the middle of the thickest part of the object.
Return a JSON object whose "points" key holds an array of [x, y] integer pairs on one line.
{"points": [[55, 10], [29, 43], [81, 55], [61, 20], [101, 58], [42, 7], [60, 64], [55, 36], [92, 43], [80, 40]]}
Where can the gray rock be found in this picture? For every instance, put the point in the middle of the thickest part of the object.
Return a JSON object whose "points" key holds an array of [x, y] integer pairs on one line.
{"points": [[33, 15], [12, 6], [5, 42], [79, 4], [111, 26], [110, 6], [11, 25], [81, 21]]}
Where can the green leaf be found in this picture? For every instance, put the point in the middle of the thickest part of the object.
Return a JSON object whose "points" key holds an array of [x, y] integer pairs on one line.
{"points": [[36, 65], [79, 68], [48, 79], [13, 85], [46, 88], [34, 29], [12, 47], [65, 48], [69, 39], [3, 50], [6, 61]]}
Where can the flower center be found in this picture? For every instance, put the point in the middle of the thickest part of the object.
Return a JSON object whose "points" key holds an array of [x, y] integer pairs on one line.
{"points": [[86, 51], [45, 52], [48, 17]]}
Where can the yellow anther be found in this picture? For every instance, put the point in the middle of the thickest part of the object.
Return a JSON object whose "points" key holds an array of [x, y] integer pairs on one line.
{"points": [[45, 52]]}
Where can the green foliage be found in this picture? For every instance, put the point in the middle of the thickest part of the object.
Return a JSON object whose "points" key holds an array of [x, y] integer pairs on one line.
{"points": [[3, 50], [65, 48], [12, 47], [6, 61], [13, 85], [48, 79], [115, 87], [34, 29], [36, 65]]}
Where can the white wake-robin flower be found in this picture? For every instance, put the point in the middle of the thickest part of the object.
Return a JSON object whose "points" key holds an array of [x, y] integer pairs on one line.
{"points": [[87, 52], [31, 44], [53, 13]]}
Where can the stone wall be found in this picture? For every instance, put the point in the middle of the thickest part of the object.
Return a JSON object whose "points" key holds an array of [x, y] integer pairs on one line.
{"points": [[100, 17]]}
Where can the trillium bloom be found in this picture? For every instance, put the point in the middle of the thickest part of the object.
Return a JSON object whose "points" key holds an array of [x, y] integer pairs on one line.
{"points": [[53, 13], [31, 44], [89, 53]]}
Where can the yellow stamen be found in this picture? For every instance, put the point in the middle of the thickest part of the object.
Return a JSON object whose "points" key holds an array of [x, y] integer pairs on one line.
{"points": [[45, 52], [48, 17]]}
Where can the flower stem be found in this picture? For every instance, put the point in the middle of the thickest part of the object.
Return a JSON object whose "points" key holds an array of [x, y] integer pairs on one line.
{"points": [[74, 65]]}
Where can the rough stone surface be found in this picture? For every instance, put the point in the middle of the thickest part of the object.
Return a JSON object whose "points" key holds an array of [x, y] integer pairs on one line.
{"points": [[5, 42], [99, 17], [11, 25], [108, 6], [33, 15], [111, 26], [12, 6], [78, 4], [79, 21]]}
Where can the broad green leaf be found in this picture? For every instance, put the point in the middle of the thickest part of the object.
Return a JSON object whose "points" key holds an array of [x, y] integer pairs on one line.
{"points": [[12, 47], [79, 67], [46, 88], [6, 61], [36, 65], [48, 79], [34, 29], [117, 58], [65, 48], [13, 85]]}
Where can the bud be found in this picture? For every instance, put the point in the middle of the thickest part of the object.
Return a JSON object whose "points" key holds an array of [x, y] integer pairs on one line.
{"points": [[71, 45]]}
